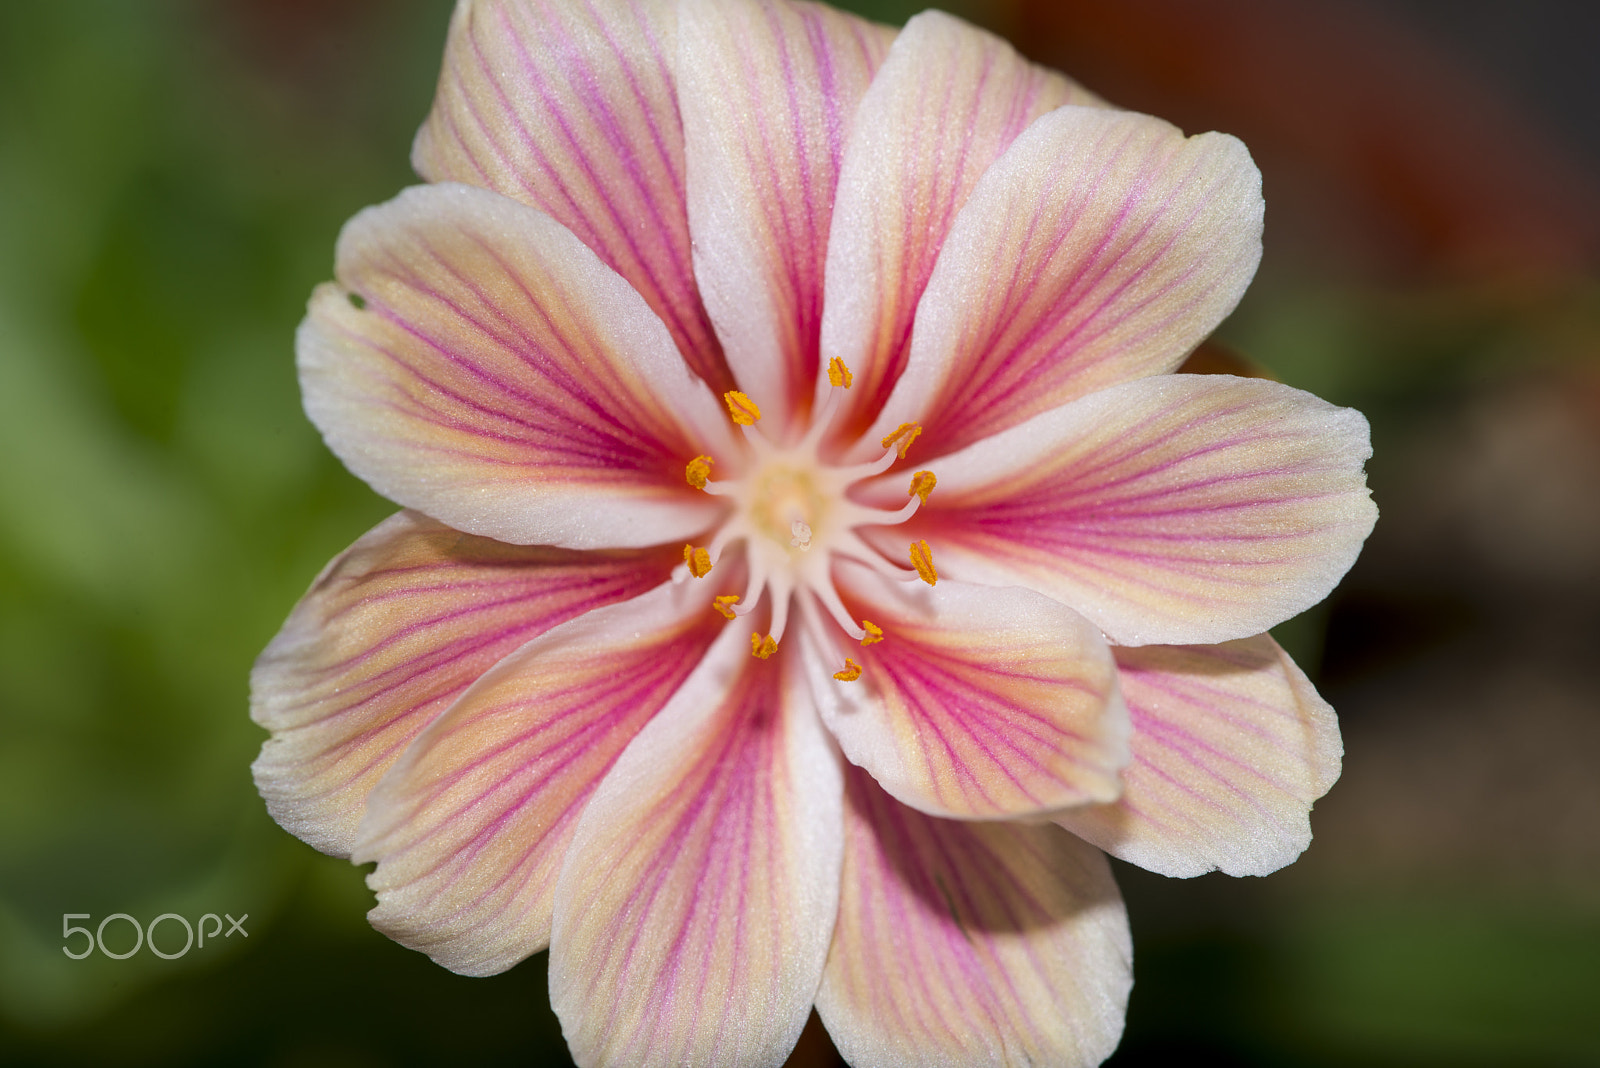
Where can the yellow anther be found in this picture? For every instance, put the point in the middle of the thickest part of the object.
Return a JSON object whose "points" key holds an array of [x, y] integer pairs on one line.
{"points": [[760, 647], [904, 434], [698, 471], [851, 672], [922, 484], [922, 560], [699, 561], [725, 604], [742, 408], [874, 632], [839, 375]]}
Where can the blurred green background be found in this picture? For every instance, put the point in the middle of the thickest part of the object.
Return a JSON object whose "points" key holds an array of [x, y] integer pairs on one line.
{"points": [[172, 177]]}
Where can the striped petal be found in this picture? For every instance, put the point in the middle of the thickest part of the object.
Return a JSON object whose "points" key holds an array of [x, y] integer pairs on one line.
{"points": [[392, 632], [571, 108], [470, 827], [769, 91], [1180, 509], [695, 907], [947, 102], [979, 703], [962, 945], [497, 376], [1231, 745], [1103, 246]]}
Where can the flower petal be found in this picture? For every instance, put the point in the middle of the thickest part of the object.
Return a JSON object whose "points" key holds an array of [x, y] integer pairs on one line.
{"points": [[498, 377], [1103, 246], [768, 91], [694, 910], [393, 631], [1231, 745], [1180, 509], [946, 103], [571, 108], [979, 703], [469, 829], [972, 944]]}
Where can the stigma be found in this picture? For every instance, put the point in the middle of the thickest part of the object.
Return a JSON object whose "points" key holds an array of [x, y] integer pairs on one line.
{"points": [[791, 512]]}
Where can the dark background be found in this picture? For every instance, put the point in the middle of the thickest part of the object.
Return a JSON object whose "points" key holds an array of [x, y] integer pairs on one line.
{"points": [[172, 177]]}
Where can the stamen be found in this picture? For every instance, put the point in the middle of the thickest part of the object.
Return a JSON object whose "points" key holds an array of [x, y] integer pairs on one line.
{"points": [[697, 560], [903, 435], [830, 600], [801, 532], [753, 587], [851, 672], [861, 471], [874, 632], [922, 560], [761, 648], [848, 545], [779, 588], [884, 517], [725, 603], [698, 470], [728, 533], [922, 484], [839, 375], [742, 409]]}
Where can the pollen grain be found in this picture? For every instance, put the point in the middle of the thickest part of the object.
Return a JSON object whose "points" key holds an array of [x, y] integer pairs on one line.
{"points": [[902, 435], [851, 672], [697, 560], [922, 560], [697, 471], [741, 408]]}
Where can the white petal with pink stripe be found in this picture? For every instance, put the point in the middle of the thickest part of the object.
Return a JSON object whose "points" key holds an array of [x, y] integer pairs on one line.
{"points": [[471, 825], [1179, 509], [979, 702], [919, 146], [1231, 746], [572, 108], [768, 92], [978, 945], [392, 632], [695, 907], [1101, 247], [497, 376]]}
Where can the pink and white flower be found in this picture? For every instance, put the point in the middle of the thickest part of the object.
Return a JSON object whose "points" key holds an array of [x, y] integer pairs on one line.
{"points": [[804, 533]]}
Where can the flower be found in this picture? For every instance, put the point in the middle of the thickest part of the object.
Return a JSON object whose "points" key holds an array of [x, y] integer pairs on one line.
{"points": [[804, 533]]}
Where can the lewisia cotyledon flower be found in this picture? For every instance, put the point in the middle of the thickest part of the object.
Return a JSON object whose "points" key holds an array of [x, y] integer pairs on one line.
{"points": [[810, 561]]}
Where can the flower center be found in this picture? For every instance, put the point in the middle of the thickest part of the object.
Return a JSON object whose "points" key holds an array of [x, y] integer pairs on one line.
{"points": [[792, 514], [788, 505]]}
